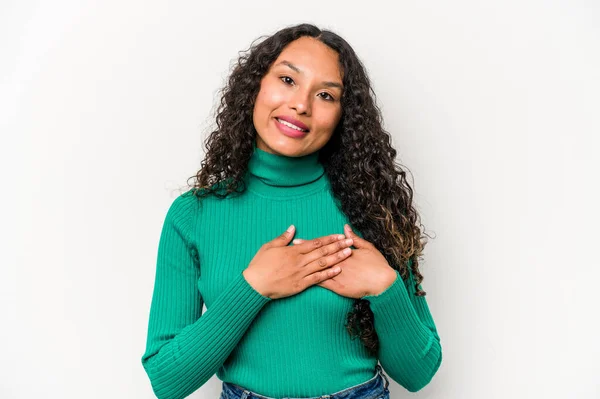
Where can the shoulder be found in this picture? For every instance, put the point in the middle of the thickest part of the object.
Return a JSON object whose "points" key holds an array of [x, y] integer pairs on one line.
{"points": [[190, 204], [183, 208]]}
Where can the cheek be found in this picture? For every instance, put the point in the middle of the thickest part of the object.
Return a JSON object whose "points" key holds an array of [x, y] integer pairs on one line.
{"points": [[269, 97], [328, 119]]}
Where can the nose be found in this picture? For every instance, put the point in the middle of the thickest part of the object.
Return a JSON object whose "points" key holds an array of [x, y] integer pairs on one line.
{"points": [[301, 102]]}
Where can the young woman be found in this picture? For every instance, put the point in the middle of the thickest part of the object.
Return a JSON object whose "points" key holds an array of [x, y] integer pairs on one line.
{"points": [[299, 142]]}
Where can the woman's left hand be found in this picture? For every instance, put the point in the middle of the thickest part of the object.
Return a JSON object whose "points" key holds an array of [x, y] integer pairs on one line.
{"points": [[364, 272]]}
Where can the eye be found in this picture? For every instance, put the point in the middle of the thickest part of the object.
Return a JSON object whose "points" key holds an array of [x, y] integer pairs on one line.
{"points": [[285, 77], [330, 96]]}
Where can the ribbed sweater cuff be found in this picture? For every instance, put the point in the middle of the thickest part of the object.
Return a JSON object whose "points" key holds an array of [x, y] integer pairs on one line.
{"points": [[201, 348], [395, 316], [228, 317]]}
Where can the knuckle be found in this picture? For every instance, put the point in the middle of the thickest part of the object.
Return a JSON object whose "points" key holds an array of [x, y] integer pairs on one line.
{"points": [[322, 262], [323, 251]]}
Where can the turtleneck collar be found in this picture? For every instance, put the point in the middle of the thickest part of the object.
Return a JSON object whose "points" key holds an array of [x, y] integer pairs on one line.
{"points": [[280, 176]]}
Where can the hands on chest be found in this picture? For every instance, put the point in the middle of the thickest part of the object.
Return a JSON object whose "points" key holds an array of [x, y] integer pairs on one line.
{"points": [[279, 270]]}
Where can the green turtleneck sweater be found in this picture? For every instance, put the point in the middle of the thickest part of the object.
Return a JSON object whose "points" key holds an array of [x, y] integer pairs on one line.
{"points": [[296, 346]]}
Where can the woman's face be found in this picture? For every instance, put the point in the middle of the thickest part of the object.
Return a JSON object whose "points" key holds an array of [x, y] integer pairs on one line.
{"points": [[305, 84]]}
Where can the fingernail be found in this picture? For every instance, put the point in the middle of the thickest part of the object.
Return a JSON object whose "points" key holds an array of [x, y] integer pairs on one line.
{"points": [[290, 229], [296, 241]]}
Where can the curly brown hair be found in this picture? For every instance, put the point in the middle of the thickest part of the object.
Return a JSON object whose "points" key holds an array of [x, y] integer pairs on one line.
{"points": [[369, 186]]}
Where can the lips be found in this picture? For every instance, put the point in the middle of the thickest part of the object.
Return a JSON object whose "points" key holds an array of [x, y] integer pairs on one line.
{"points": [[289, 131], [293, 121]]}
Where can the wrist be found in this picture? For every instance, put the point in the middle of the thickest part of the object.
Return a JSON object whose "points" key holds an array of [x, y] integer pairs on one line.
{"points": [[250, 280], [386, 282]]}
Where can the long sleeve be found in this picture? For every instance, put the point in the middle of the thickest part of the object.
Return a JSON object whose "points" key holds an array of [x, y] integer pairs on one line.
{"points": [[184, 347], [410, 349]]}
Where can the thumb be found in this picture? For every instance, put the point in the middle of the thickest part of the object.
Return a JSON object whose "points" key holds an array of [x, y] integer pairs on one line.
{"points": [[285, 238], [357, 242]]}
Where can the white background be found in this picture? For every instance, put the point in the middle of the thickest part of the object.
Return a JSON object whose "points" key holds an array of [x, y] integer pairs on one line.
{"points": [[493, 106]]}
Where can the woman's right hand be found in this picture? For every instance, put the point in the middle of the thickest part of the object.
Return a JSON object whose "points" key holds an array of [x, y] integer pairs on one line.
{"points": [[278, 270]]}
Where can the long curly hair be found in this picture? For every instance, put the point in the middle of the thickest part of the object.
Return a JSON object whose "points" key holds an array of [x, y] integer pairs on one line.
{"points": [[371, 189]]}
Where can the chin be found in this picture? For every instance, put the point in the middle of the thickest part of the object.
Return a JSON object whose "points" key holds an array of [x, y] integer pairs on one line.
{"points": [[283, 145], [287, 149]]}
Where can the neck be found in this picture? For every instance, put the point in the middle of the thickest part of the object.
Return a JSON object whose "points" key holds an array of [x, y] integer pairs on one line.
{"points": [[274, 175]]}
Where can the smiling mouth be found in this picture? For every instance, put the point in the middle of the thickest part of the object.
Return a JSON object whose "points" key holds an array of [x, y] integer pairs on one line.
{"points": [[291, 125]]}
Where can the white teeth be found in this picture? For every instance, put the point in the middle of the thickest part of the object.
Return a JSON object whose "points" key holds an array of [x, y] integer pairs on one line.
{"points": [[290, 125]]}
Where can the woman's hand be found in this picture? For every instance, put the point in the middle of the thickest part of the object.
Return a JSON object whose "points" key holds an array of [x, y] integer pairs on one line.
{"points": [[364, 272], [278, 270]]}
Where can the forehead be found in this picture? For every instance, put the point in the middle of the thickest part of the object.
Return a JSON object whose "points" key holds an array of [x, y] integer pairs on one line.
{"points": [[312, 57]]}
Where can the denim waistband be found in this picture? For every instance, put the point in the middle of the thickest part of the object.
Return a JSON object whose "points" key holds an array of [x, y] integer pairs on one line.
{"points": [[370, 389]]}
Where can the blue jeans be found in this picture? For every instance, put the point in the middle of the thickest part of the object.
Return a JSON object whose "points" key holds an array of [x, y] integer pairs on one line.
{"points": [[375, 388]]}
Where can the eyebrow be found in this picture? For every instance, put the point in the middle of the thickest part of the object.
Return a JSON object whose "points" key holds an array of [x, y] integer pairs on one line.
{"points": [[295, 68]]}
